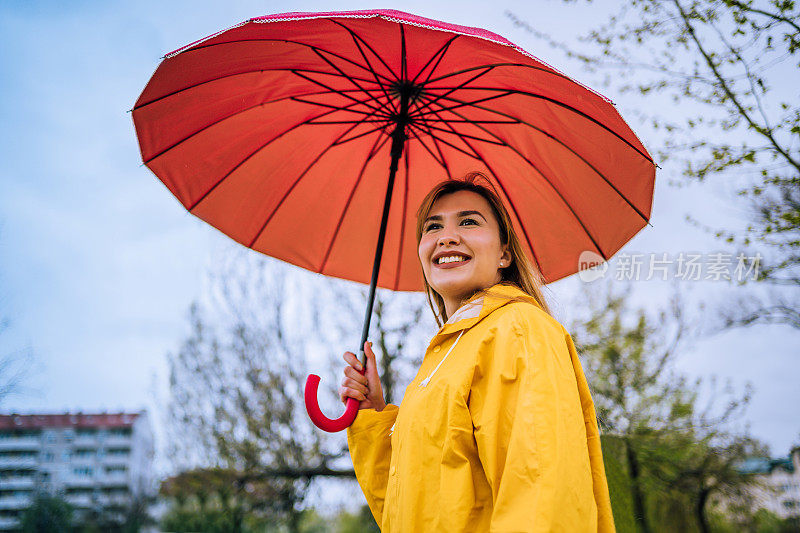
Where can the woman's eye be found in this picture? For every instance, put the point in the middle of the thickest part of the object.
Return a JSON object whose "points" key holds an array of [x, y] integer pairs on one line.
{"points": [[432, 224]]}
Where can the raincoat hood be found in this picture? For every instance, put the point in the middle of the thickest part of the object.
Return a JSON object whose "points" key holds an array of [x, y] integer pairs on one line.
{"points": [[496, 432]]}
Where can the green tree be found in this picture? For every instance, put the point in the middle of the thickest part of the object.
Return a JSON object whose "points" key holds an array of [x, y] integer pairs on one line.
{"points": [[47, 514], [359, 522], [676, 454], [236, 383], [716, 80]]}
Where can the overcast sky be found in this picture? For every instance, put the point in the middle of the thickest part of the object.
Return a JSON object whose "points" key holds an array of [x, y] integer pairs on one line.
{"points": [[98, 262]]}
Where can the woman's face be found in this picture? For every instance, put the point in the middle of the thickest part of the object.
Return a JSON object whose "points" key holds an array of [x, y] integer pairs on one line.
{"points": [[461, 225]]}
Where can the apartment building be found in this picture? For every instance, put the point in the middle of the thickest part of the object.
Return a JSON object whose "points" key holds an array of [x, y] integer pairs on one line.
{"points": [[94, 460], [779, 488]]}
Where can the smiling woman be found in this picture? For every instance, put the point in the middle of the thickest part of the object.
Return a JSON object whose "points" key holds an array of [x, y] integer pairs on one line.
{"points": [[465, 218], [497, 431]]}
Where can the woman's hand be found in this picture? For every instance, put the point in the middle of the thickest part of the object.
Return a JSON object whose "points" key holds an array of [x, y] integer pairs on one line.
{"points": [[365, 388]]}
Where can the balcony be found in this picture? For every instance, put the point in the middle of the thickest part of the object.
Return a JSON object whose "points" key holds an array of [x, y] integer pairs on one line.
{"points": [[19, 462], [21, 443], [8, 523], [15, 502], [80, 481], [121, 441], [80, 500], [114, 459], [27, 482]]}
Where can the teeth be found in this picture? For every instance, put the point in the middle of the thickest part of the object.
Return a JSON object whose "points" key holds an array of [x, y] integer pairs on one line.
{"points": [[451, 259]]}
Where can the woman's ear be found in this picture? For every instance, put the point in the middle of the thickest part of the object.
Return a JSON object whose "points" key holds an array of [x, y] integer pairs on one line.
{"points": [[505, 259]]}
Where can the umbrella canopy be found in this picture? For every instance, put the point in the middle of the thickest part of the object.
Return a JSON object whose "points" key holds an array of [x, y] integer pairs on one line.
{"points": [[278, 132]]}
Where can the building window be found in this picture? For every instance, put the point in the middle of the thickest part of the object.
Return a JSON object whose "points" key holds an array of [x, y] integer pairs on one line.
{"points": [[49, 457], [791, 504], [84, 453], [118, 452], [83, 471], [116, 470]]}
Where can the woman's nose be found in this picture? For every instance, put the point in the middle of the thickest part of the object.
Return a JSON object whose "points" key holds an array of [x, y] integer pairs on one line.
{"points": [[448, 237]]}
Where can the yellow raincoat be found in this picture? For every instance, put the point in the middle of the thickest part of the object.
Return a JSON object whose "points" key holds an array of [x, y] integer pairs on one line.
{"points": [[496, 433]]}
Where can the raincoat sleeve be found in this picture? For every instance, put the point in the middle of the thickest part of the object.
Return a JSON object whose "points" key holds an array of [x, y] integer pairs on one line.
{"points": [[370, 447], [532, 435]]}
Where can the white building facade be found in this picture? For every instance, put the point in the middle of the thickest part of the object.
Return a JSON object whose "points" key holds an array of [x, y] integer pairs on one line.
{"points": [[778, 483], [94, 461]]}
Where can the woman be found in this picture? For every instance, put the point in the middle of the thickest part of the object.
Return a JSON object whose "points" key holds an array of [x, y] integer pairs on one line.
{"points": [[497, 432]]}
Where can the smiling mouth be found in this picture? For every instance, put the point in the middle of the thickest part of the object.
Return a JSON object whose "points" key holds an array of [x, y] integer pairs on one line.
{"points": [[451, 261]]}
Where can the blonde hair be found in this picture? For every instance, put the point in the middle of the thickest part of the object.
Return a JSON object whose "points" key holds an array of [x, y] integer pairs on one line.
{"points": [[521, 273]]}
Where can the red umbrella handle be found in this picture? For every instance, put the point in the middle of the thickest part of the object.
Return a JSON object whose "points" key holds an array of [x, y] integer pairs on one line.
{"points": [[320, 420]]}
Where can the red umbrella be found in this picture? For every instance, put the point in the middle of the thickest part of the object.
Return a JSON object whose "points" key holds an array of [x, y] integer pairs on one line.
{"points": [[280, 130]]}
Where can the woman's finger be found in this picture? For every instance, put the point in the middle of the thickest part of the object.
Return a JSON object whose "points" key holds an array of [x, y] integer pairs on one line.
{"points": [[353, 384], [352, 360], [347, 392], [351, 372]]}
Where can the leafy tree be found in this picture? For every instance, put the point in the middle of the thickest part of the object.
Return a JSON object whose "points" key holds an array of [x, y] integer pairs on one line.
{"points": [[236, 384], [675, 453], [360, 522], [15, 365], [713, 76], [47, 514]]}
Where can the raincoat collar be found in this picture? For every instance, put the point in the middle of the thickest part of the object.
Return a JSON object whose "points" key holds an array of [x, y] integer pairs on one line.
{"points": [[474, 311]]}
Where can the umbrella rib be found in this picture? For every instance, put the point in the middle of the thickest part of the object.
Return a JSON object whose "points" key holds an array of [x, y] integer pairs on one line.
{"points": [[463, 104], [426, 129], [338, 108], [462, 135], [439, 97], [496, 65], [167, 149], [369, 65], [565, 145], [466, 121], [384, 121], [374, 150], [568, 107], [441, 162], [290, 189], [340, 142], [351, 80], [441, 154], [441, 53], [290, 41], [334, 90], [403, 66], [473, 155], [549, 182], [200, 84], [402, 218], [209, 191], [354, 34]]}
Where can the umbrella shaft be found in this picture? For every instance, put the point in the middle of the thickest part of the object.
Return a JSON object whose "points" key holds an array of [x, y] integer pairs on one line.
{"points": [[398, 140]]}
